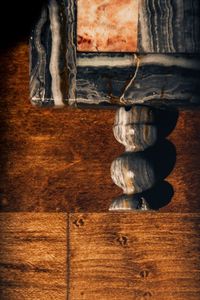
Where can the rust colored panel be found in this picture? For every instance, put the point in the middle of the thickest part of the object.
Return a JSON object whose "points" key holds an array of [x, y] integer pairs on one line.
{"points": [[109, 25]]}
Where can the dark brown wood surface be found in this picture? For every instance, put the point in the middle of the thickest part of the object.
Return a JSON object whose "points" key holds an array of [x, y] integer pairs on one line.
{"points": [[33, 251], [59, 160], [99, 256]]}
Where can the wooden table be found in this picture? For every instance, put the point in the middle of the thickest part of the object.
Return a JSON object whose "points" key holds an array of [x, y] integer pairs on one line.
{"points": [[57, 239]]}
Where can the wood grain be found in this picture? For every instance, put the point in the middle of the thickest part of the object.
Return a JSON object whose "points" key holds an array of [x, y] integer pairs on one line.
{"points": [[99, 255], [59, 160], [134, 256], [169, 26], [33, 251]]}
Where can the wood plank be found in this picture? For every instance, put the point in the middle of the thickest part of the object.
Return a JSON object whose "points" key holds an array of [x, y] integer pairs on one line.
{"points": [[33, 251], [58, 160], [118, 255], [134, 256]]}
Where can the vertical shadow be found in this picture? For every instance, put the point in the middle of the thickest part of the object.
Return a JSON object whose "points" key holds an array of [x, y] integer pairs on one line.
{"points": [[148, 169], [16, 21], [163, 157], [166, 120], [4, 112]]}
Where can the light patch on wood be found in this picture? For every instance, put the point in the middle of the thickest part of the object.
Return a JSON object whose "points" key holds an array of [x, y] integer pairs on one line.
{"points": [[109, 25]]}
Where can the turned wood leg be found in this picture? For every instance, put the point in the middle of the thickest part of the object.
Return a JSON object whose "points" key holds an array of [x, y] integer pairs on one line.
{"points": [[133, 172]]}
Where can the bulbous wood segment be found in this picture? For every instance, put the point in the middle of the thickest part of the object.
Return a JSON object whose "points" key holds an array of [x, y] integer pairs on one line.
{"points": [[135, 137], [133, 173], [135, 128], [136, 114], [129, 203]]}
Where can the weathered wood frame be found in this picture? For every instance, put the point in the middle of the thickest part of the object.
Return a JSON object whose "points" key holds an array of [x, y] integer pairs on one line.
{"points": [[163, 71]]}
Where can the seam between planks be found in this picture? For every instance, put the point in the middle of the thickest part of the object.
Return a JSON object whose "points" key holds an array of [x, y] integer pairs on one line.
{"points": [[68, 256]]}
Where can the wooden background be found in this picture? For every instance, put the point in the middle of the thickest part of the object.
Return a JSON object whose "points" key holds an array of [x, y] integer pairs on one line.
{"points": [[57, 239], [59, 160], [99, 256]]}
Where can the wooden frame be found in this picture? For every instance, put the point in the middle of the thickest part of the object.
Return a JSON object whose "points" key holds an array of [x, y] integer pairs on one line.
{"points": [[165, 69]]}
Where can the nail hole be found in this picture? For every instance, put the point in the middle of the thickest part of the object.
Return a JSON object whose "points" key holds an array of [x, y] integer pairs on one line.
{"points": [[144, 273], [147, 295], [78, 222], [128, 107], [122, 240]]}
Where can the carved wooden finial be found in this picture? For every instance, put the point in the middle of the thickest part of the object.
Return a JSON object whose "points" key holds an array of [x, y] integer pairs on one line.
{"points": [[135, 128]]}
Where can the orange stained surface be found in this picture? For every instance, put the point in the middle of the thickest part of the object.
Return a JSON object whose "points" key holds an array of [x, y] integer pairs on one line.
{"points": [[107, 25]]}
